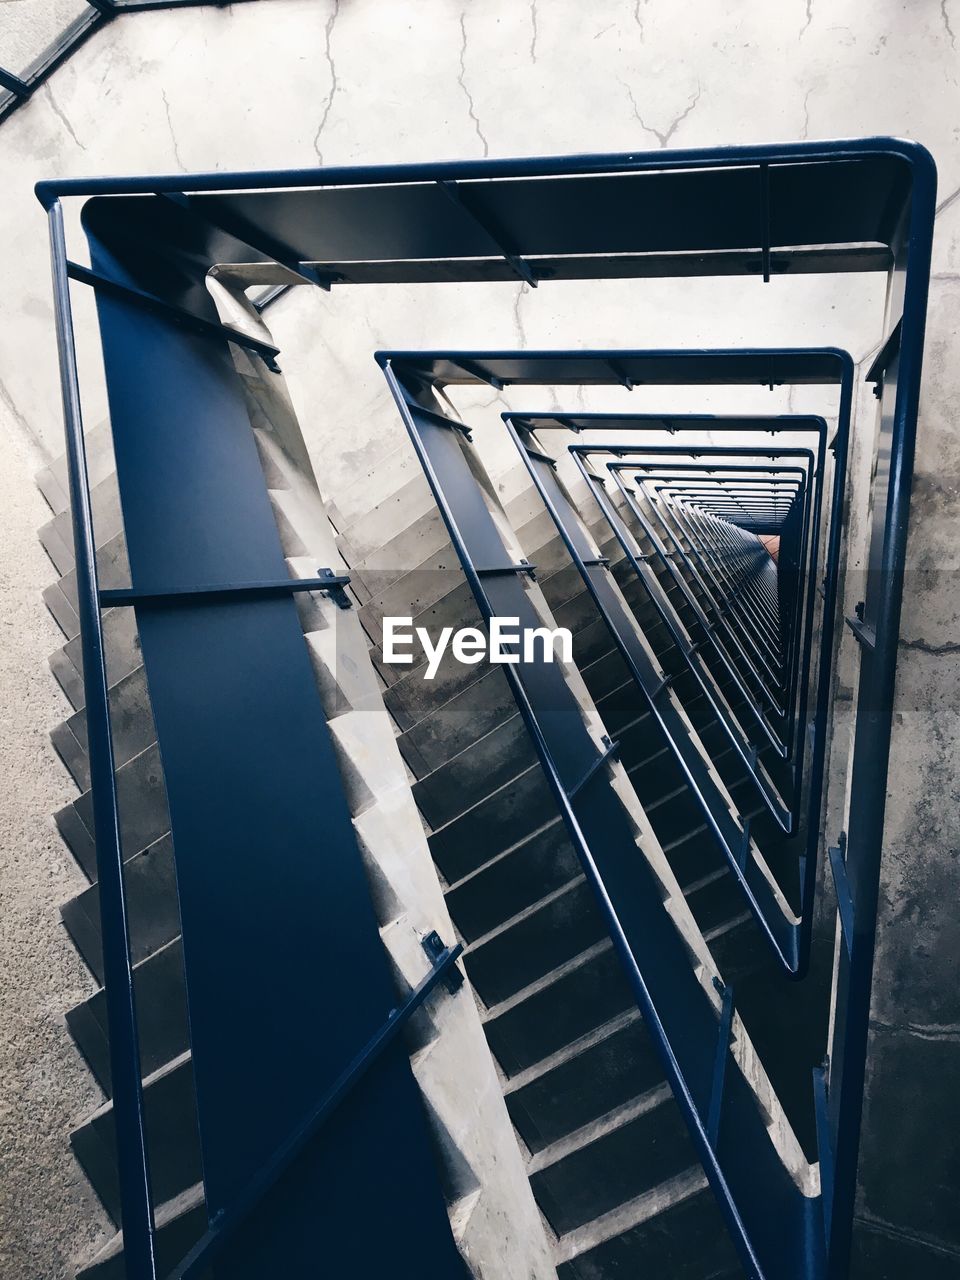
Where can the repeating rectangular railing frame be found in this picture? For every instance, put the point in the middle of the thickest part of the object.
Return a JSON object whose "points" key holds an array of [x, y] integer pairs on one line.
{"points": [[839, 447], [788, 711], [814, 470], [731, 829], [436, 370], [789, 940], [727, 559], [759, 195], [762, 1212], [617, 469], [787, 708], [761, 526]]}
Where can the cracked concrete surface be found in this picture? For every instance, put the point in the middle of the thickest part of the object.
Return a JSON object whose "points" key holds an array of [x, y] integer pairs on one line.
{"points": [[328, 54], [297, 82], [663, 136], [461, 80]]}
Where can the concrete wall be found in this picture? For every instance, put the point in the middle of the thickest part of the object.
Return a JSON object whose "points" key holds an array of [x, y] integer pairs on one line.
{"points": [[299, 82]]}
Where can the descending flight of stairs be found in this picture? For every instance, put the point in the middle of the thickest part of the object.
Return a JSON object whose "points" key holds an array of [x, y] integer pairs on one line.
{"points": [[608, 1158]]}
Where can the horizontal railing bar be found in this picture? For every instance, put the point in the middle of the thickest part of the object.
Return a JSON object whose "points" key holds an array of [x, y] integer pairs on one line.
{"points": [[209, 328], [225, 1224], [328, 581]]}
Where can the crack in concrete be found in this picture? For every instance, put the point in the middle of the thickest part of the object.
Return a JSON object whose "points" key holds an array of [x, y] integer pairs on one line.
{"points": [[173, 136], [517, 318], [662, 138], [637, 19], [466, 92], [946, 1031], [334, 81], [803, 29], [805, 127], [55, 107], [936, 650], [535, 30], [946, 24]]}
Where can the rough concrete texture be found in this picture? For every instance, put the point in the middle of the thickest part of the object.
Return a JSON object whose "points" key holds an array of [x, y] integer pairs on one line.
{"points": [[310, 81], [911, 1106], [47, 1211], [27, 27]]}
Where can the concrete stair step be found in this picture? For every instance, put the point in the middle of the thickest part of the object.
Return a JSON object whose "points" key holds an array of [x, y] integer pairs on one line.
{"points": [[122, 644], [142, 801], [488, 763], [56, 536], [715, 899], [52, 479], [418, 544], [738, 947], [113, 570], [512, 881], [161, 1016], [673, 1231], [508, 814], [512, 811], [411, 699], [154, 918], [409, 502], [434, 586], [562, 1006], [67, 676], [611, 1160], [592, 1076], [131, 719], [501, 755], [172, 1136], [521, 950], [433, 604], [179, 1225], [458, 724]]}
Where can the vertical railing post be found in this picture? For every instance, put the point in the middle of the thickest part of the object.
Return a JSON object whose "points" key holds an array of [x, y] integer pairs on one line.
{"points": [[132, 1159]]}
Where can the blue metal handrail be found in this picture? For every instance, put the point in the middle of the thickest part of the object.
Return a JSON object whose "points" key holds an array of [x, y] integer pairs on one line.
{"points": [[773, 1223], [731, 830], [795, 649], [710, 631], [873, 200]]}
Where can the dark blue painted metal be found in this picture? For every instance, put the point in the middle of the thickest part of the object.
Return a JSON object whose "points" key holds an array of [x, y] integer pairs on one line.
{"points": [[74, 34], [840, 449], [641, 470], [835, 206], [720, 1064], [199, 324], [228, 1222], [270, 899], [132, 1161], [772, 1223], [789, 938], [773, 916], [842, 886], [328, 583]]}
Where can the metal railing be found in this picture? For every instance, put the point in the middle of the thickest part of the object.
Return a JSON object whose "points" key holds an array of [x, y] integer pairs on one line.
{"points": [[767, 210], [778, 1229], [20, 85]]}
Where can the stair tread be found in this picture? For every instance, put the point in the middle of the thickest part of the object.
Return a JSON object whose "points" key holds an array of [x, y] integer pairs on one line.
{"points": [[599, 1128]]}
